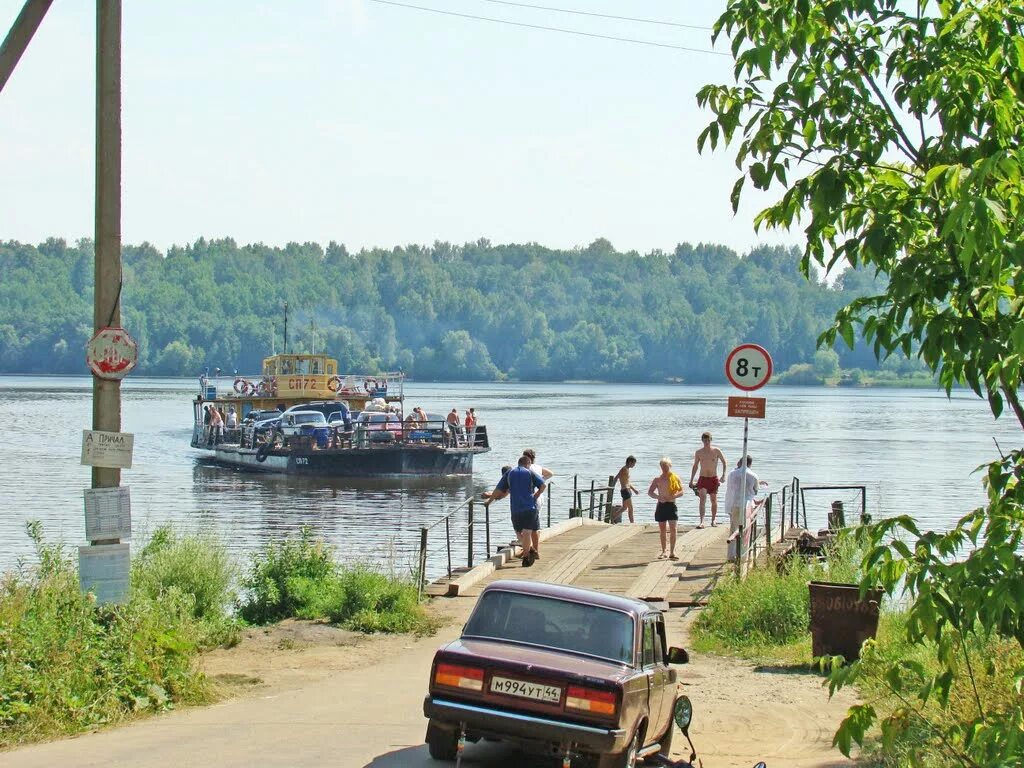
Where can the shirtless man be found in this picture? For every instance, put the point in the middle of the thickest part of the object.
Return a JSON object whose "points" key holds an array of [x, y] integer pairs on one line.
{"points": [[666, 488], [706, 460], [625, 487]]}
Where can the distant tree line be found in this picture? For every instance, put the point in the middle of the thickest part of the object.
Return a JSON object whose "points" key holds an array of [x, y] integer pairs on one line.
{"points": [[472, 312]]}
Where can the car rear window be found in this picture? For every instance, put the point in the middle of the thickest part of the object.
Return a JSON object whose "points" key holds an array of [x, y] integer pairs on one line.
{"points": [[553, 623]]}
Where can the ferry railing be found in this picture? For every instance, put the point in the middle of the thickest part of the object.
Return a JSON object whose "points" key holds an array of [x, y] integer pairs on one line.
{"points": [[460, 528]]}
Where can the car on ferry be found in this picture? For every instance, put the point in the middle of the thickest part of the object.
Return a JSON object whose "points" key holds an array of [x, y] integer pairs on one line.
{"points": [[336, 412], [558, 671], [294, 421]]}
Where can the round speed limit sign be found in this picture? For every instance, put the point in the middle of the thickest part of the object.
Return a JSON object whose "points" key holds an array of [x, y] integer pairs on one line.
{"points": [[748, 367]]}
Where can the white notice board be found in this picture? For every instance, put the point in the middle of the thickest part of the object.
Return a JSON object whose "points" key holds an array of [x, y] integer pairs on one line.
{"points": [[108, 513], [112, 450], [104, 571]]}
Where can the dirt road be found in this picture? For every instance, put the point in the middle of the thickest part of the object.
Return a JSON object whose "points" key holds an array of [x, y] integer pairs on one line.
{"points": [[314, 696]]}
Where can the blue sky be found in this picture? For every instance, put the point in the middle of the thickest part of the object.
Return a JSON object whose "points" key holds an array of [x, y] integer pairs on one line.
{"points": [[374, 125]]}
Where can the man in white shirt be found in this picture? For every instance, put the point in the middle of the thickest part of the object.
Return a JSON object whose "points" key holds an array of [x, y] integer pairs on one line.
{"points": [[735, 503]]}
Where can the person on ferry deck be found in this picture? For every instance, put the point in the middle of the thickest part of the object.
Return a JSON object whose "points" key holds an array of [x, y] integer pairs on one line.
{"points": [[470, 424]]}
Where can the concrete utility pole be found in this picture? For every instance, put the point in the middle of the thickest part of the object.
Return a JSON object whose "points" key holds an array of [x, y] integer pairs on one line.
{"points": [[20, 36], [106, 393]]}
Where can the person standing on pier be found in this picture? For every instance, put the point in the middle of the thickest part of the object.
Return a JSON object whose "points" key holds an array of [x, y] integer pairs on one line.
{"points": [[544, 473], [706, 461], [666, 488], [626, 488], [523, 487], [737, 503]]}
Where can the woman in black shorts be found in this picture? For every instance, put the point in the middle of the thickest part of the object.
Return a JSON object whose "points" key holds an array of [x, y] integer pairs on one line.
{"points": [[666, 488]]}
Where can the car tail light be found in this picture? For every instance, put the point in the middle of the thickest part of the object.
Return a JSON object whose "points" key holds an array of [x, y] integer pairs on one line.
{"points": [[455, 676], [590, 700]]}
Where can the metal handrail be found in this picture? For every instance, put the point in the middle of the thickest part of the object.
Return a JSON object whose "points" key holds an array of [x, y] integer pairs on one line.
{"points": [[600, 500], [469, 506]]}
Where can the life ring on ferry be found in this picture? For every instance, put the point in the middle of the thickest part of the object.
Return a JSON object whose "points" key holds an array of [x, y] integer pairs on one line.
{"points": [[370, 385], [241, 386], [334, 383]]}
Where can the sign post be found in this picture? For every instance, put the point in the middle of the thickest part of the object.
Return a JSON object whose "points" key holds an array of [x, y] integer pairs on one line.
{"points": [[748, 367]]}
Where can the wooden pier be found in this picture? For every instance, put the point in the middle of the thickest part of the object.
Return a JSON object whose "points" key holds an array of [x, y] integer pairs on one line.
{"points": [[619, 559]]}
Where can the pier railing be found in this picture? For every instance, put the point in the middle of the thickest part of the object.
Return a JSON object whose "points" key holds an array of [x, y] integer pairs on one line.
{"points": [[455, 538], [783, 510], [594, 502]]}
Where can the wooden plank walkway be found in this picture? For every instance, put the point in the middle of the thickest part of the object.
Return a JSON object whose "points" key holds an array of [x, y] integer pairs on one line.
{"points": [[622, 559]]}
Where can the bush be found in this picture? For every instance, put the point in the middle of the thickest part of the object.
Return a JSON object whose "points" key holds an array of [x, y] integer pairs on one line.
{"points": [[199, 568], [290, 578], [67, 665], [371, 601], [299, 578]]}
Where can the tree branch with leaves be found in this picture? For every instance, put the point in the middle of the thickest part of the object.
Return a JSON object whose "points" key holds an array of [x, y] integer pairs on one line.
{"points": [[823, 96]]}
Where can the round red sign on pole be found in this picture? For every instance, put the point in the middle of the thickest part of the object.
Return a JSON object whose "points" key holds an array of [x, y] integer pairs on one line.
{"points": [[111, 353], [748, 367]]}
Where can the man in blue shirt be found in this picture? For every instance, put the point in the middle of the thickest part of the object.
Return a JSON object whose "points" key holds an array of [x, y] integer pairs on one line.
{"points": [[523, 487]]}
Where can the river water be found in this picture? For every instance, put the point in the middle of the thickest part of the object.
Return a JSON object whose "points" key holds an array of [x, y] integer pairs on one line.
{"points": [[914, 450]]}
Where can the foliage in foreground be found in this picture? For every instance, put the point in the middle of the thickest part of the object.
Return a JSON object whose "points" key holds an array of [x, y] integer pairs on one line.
{"points": [[67, 665], [300, 578], [897, 132]]}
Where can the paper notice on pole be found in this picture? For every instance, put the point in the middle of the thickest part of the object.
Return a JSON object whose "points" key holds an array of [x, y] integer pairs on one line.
{"points": [[112, 450], [104, 571], [108, 513]]}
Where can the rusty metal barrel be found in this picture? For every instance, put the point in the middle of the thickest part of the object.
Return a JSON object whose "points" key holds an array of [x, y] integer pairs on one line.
{"points": [[840, 620]]}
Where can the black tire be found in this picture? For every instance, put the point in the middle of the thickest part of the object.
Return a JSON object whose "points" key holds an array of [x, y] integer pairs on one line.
{"points": [[441, 743], [263, 451], [626, 758]]}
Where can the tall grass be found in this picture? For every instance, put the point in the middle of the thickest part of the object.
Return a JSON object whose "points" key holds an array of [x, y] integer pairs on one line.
{"points": [[197, 569], [300, 577], [768, 612], [67, 665]]}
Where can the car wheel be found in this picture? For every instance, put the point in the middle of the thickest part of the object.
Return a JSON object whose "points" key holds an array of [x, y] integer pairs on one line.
{"points": [[441, 743], [625, 759]]}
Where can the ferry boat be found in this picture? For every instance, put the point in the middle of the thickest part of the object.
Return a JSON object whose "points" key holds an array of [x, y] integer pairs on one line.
{"points": [[367, 436]]}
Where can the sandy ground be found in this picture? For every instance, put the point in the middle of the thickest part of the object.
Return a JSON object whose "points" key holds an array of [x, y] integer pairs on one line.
{"points": [[308, 694]]}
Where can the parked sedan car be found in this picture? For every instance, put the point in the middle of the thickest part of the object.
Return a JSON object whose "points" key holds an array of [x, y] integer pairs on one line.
{"points": [[556, 670]]}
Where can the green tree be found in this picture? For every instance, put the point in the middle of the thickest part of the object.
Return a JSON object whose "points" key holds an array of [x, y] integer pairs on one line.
{"points": [[894, 130], [826, 364]]}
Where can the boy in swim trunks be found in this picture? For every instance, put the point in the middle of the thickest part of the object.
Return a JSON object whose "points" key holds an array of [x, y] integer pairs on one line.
{"points": [[706, 460], [666, 488], [625, 487]]}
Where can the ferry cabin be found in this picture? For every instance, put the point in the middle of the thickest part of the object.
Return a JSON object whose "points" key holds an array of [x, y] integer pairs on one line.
{"points": [[292, 379]]}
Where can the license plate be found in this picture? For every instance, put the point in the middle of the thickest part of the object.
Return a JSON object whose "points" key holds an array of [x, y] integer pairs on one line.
{"points": [[506, 685]]}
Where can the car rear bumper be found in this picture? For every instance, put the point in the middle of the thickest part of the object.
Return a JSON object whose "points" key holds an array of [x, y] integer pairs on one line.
{"points": [[524, 729]]}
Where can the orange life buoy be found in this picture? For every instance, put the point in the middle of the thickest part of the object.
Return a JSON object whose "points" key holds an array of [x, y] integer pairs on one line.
{"points": [[334, 383], [370, 385], [241, 386]]}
